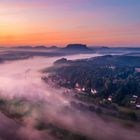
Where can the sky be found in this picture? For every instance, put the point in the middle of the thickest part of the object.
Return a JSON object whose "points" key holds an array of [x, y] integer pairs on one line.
{"points": [[114, 23]]}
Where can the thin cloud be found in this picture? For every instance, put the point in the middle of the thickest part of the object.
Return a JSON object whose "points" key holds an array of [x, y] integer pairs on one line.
{"points": [[22, 5]]}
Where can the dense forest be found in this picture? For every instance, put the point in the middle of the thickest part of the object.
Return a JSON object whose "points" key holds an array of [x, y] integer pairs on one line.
{"points": [[116, 78]]}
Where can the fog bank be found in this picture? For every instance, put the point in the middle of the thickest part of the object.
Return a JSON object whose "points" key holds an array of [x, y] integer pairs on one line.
{"points": [[21, 80]]}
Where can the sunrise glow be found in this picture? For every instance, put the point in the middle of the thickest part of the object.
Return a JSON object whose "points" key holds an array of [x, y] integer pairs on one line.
{"points": [[59, 22]]}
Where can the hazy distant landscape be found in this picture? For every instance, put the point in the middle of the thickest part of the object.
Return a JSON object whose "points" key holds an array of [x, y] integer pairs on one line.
{"points": [[53, 94], [24, 52]]}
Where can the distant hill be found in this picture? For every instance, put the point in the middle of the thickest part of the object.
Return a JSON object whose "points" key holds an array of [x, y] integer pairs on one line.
{"points": [[99, 47], [36, 47], [104, 47], [76, 47], [107, 60], [23, 47], [40, 47], [53, 48]]}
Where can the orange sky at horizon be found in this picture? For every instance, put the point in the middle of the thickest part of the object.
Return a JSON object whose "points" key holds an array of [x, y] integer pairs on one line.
{"points": [[49, 23]]}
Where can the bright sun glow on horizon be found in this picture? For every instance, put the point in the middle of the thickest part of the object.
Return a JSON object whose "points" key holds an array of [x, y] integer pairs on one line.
{"points": [[59, 22]]}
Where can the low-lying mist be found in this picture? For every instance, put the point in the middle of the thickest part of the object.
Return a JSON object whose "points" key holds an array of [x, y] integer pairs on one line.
{"points": [[27, 94]]}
